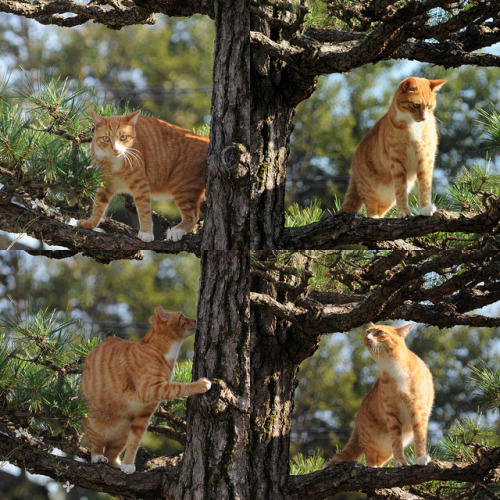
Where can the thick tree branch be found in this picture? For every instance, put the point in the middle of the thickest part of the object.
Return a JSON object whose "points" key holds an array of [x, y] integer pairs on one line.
{"points": [[99, 477], [384, 31], [104, 247], [355, 229], [112, 13], [396, 286], [352, 476]]}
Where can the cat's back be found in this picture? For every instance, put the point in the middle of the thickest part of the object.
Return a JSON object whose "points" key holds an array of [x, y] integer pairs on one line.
{"points": [[113, 368], [161, 135]]}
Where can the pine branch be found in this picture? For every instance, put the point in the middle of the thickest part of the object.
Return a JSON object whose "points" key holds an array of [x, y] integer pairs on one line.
{"points": [[102, 247], [396, 286], [355, 229], [352, 476], [32, 457]]}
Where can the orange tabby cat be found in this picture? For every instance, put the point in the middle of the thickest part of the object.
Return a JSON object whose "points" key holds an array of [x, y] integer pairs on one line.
{"points": [[149, 158], [398, 406], [399, 149], [123, 382]]}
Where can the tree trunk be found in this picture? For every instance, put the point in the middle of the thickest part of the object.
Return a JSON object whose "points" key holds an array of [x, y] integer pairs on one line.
{"points": [[215, 463], [276, 91]]}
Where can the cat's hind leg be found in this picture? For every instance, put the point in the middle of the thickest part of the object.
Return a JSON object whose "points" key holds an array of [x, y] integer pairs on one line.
{"points": [[101, 202], [113, 451], [189, 205], [137, 430], [96, 443]]}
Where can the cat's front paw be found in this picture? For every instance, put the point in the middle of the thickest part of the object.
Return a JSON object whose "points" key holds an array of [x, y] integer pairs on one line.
{"points": [[87, 224], [146, 237], [127, 468], [400, 462], [423, 460], [175, 234], [403, 212], [204, 384], [428, 210], [96, 459]]}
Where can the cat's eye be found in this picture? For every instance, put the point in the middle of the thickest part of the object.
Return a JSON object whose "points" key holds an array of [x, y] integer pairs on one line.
{"points": [[105, 138], [123, 137], [416, 105]]}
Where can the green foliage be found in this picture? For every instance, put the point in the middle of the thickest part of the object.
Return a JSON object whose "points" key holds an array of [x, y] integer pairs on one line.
{"points": [[40, 362], [301, 216], [491, 125], [43, 126], [466, 193], [301, 464], [487, 386], [460, 443]]}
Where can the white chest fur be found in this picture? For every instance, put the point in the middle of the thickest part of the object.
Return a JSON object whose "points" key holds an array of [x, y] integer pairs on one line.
{"points": [[171, 355], [395, 371]]}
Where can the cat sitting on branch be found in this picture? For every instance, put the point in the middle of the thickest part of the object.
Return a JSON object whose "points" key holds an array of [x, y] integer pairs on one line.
{"points": [[397, 151], [397, 408], [148, 158]]}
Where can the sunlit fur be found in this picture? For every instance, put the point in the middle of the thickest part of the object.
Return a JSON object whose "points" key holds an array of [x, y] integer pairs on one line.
{"points": [[123, 383], [398, 150], [397, 408], [149, 158]]}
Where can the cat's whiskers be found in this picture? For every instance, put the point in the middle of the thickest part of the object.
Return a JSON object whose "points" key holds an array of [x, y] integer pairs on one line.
{"points": [[132, 154]]}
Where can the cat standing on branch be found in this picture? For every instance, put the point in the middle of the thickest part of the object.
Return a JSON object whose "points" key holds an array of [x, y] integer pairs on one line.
{"points": [[149, 158], [398, 150], [397, 408], [123, 382]]}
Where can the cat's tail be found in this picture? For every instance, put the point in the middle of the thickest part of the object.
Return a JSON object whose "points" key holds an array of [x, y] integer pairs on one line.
{"points": [[352, 201], [352, 451]]}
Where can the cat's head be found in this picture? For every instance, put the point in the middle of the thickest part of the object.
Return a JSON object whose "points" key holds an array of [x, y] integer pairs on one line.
{"points": [[113, 135], [384, 339], [415, 98], [172, 325]]}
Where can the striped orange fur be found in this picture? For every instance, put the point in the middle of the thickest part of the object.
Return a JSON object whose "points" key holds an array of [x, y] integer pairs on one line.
{"points": [[398, 150], [149, 158], [397, 408], [123, 382]]}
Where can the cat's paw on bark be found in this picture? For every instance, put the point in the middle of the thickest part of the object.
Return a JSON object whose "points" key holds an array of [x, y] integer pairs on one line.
{"points": [[146, 237], [423, 460], [204, 384], [99, 459], [87, 224], [175, 234], [127, 468], [428, 210]]}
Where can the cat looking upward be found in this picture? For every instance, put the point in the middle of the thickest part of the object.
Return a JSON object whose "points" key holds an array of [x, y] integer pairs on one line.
{"points": [[148, 158], [398, 150], [123, 382], [397, 408]]}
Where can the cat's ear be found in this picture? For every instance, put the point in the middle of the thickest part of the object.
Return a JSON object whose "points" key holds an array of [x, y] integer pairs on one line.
{"points": [[372, 325], [132, 117], [161, 314], [403, 330], [97, 119], [409, 85], [436, 84]]}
